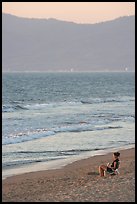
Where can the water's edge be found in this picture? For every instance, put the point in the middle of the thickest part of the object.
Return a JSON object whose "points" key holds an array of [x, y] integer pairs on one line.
{"points": [[58, 164]]}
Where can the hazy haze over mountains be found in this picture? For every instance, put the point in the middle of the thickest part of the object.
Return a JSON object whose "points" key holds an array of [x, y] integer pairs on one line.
{"points": [[53, 45]]}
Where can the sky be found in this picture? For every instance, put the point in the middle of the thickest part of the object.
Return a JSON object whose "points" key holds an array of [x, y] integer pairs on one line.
{"points": [[79, 12]]}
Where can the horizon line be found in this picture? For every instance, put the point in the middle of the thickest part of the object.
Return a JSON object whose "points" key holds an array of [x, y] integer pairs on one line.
{"points": [[67, 71], [52, 18]]}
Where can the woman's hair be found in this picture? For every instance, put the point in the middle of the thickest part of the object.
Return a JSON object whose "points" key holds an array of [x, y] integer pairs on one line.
{"points": [[117, 154]]}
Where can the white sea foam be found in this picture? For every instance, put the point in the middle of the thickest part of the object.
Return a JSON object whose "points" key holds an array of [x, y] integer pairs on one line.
{"points": [[20, 106], [39, 133]]}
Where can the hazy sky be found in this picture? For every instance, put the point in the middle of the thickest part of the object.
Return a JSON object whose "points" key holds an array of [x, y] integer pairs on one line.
{"points": [[80, 12]]}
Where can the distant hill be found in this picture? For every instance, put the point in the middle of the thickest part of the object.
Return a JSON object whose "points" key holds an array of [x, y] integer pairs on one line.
{"points": [[53, 45]]}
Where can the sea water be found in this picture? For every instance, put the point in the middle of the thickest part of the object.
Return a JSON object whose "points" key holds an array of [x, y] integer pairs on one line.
{"points": [[51, 119]]}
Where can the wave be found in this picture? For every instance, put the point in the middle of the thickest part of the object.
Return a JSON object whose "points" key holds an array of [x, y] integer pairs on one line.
{"points": [[12, 108], [26, 136], [40, 133], [107, 100], [24, 162], [59, 152], [7, 108], [18, 105], [44, 156]]}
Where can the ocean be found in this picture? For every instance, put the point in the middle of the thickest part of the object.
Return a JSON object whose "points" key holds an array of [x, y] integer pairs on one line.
{"points": [[51, 119]]}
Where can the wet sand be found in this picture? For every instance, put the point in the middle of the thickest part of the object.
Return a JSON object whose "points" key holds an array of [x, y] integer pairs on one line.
{"points": [[78, 181]]}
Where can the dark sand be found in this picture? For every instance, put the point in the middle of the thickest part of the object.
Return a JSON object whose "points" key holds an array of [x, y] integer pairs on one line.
{"points": [[78, 181]]}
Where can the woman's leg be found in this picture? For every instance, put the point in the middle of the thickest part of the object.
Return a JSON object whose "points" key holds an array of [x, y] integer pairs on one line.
{"points": [[102, 168]]}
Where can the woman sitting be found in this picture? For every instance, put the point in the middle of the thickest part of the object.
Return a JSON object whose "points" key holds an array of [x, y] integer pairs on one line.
{"points": [[110, 168]]}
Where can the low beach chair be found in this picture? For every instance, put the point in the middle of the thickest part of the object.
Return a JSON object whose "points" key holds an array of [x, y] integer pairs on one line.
{"points": [[115, 172]]}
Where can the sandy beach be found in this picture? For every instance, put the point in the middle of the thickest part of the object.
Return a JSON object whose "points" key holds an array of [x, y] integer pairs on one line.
{"points": [[78, 181]]}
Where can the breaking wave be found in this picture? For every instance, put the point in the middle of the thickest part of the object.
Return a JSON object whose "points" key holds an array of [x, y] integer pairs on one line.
{"points": [[17, 106], [39, 133]]}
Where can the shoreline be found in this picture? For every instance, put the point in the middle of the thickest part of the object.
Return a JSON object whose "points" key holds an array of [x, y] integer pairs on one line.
{"points": [[77, 181], [57, 164]]}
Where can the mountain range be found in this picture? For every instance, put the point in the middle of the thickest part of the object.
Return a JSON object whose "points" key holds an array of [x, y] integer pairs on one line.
{"points": [[30, 44]]}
